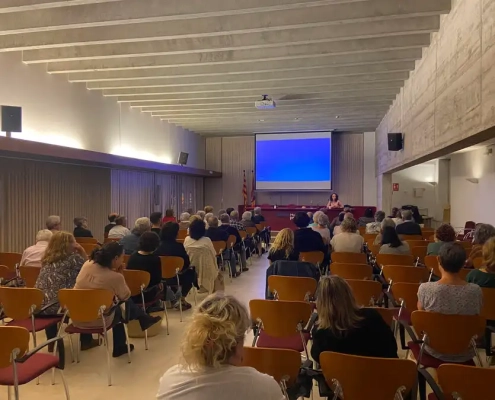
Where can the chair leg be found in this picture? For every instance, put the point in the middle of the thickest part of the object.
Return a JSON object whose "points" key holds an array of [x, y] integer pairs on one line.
{"points": [[66, 387], [107, 345], [421, 386], [128, 344], [180, 308], [71, 349], [8, 393], [166, 315], [146, 339]]}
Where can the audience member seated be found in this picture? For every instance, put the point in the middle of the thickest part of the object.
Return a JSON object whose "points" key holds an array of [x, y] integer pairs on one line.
{"points": [[397, 216], [81, 230], [311, 218], [212, 353], [201, 214], [386, 222], [111, 218], [202, 255], [145, 260], [156, 222], [482, 233], [32, 255], [60, 266], [257, 217], [349, 241], [169, 216], [391, 243], [451, 294], [283, 247], [234, 221], [53, 223], [104, 271], [343, 327], [338, 228], [338, 219], [218, 234], [119, 230], [375, 227], [334, 201], [367, 218], [247, 221], [306, 239], [231, 231], [229, 210], [322, 227], [169, 246], [443, 234], [408, 226], [131, 242], [184, 220], [393, 213], [485, 276], [208, 210]]}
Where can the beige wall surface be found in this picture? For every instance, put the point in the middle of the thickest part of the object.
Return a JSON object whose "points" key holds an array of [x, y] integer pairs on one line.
{"points": [[451, 94]]}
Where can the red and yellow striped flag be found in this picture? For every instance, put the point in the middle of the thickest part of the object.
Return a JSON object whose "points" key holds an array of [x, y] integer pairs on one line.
{"points": [[244, 190], [253, 193]]}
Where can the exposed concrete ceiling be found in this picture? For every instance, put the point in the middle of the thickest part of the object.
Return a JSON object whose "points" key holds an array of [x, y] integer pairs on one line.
{"points": [[201, 64]]}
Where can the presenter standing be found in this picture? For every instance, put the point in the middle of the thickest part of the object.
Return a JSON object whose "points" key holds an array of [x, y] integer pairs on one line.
{"points": [[334, 201]]}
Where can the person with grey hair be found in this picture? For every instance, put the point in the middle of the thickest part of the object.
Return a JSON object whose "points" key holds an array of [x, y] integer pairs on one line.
{"points": [[234, 221], [374, 227], [408, 227], [247, 222], [217, 234], [32, 255], [314, 218], [322, 223], [238, 247], [119, 230], [482, 232], [257, 217], [53, 223], [131, 242], [201, 214], [221, 211], [184, 220], [81, 230]]}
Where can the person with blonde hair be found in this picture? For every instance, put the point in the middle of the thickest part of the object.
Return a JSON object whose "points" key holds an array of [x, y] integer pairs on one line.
{"points": [[212, 353], [283, 247], [32, 255], [208, 210], [348, 240], [343, 327], [485, 276]]}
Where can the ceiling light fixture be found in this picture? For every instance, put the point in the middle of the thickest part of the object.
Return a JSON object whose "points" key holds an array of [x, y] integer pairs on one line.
{"points": [[261, 120], [337, 116]]}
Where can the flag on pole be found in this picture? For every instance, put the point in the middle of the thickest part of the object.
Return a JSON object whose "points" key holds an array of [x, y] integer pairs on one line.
{"points": [[244, 190], [253, 193]]}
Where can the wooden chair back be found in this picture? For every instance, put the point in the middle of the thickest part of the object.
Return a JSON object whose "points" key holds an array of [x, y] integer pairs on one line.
{"points": [[463, 273], [419, 252], [12, 337], [477, 262], [375, 249], [369, 236], [19, 303], [292, 288], [358, 376], [440, 329], [251, 230], [279, 363], [243, 235], [84, 304], [411, 237], [219, 246], [5, 272], [431, 263], [488, 310], [465, 382], [465, 245], [259, 227], [280, 318], [427, 232], [231, 241], [126, 259], [361, 230], [182, 234], [171, 265], [29, 275], [395, 259], [417, 243], [386, 313], [313, 257], [86, 240], [406, 293], [88, 247], [10, 260], [399, 273], [365, 292], [351, 271], [110, 240], [136, 280], [349, 258]]}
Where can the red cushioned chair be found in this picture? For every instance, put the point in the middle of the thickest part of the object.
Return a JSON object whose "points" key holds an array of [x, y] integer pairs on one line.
{"points": [[280, 324], [19, 366]]}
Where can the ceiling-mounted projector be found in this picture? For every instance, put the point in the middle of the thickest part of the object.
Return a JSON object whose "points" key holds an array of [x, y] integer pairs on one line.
{"points": [[265, 103]]}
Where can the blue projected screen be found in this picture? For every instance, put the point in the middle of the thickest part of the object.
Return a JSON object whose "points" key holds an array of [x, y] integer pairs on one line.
{"points": [[294, 161]]}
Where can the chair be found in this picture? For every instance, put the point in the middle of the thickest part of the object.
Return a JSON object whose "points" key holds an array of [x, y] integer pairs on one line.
{"points": [[427, 232], [375, 249], [171, 266], [411, 237], [432, 264], [251, 231], [126, 259], [465, 245], [29, 275], [469, 226], [349, 258], [366, 293], [488, 311], [220, 246], [291, 288], [351, 271], [85, 306], [137, 281], [88, 247], [477, 262], [313, 257], [358, 378], [461, 382], [399, 273], [10, 260], [394, 259], [182, 234], [19, 366], [406, 296], [282, 364], [86, 240], [19, 304], [110, 240], [417, 243], [387, 314], [419, 253], [5, 272], [369, 236], [281, 324], [361, 230]]}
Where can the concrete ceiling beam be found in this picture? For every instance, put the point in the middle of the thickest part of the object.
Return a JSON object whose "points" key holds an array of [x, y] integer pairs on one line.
{"points": [[9, 6]]}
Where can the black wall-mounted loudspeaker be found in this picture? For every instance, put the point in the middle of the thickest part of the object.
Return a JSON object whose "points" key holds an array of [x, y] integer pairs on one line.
{"points": [[395, 141], [11, 119], [183, 158]]}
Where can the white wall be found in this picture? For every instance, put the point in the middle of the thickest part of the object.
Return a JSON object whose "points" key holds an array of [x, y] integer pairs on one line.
{"points": [[471, 201], [58, 112]]}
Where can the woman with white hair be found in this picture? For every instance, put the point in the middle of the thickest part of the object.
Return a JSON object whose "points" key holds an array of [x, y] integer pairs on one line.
{"points": [[247, 222], [321, 227], [32, 255], [212, 352], [131, 242], [184, 220]]}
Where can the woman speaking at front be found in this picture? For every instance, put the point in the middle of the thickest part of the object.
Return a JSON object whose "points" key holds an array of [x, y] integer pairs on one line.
{"points": [[334, 201]]}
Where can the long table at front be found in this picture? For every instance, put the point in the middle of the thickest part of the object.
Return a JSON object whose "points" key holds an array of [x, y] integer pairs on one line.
{"points": [[281, 217]]}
